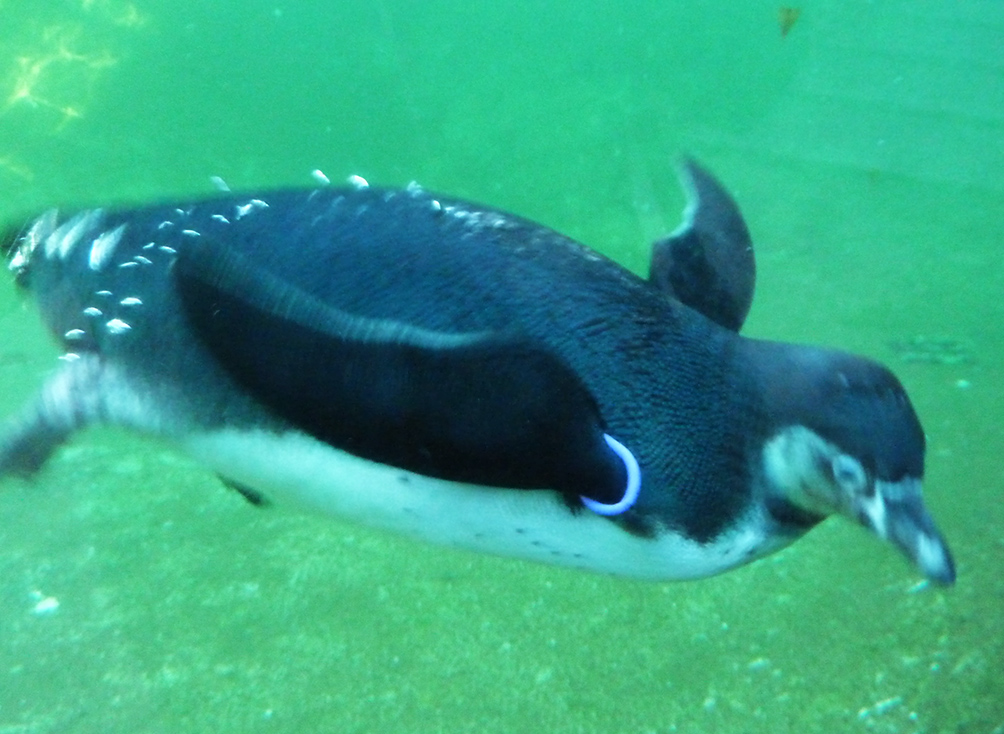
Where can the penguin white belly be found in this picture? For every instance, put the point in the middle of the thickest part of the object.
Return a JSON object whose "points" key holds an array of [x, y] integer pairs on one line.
{"points": [[296, 469]]}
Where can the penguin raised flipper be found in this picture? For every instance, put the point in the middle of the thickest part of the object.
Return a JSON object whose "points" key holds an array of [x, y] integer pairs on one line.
{"points": [[707, 263], [399, 359]]}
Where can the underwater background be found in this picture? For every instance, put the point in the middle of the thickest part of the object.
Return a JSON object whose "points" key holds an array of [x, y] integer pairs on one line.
{"points": [[864, 142]]}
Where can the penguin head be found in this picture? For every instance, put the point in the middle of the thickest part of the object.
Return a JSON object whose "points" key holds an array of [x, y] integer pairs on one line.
{"points": [[842, 437]]}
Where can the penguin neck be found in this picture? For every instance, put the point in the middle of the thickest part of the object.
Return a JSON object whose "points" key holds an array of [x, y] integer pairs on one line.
{"points": [[791, 382]]}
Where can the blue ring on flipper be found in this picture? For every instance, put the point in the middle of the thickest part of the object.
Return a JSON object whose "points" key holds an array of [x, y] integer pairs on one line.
{"points": [[633, 488]]}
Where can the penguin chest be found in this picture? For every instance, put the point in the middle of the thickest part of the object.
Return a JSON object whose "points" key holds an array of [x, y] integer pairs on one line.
{"points": [[292, 468]]}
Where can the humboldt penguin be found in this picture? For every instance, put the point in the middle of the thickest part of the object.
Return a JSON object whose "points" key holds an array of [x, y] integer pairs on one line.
{"points": [[456, 373]]}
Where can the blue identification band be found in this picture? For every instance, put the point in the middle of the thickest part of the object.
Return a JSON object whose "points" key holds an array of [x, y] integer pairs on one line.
{"points": [[633, 482]]}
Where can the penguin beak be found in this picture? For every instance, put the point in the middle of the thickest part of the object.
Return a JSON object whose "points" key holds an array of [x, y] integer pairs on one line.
{"points": [[896, 512]]}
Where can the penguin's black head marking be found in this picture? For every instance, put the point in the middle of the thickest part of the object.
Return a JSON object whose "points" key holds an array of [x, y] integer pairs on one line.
{"points": [[870, 417], [852, 402]]}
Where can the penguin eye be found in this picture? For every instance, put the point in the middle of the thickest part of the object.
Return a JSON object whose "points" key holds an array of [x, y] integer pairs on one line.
{"points": [[849, 474]]}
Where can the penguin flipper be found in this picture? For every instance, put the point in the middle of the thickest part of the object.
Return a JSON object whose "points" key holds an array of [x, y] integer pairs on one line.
{"points": [[707, 263], [484, 408]]}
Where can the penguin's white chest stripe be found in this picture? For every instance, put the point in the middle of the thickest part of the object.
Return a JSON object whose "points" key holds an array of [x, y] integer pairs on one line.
{"points": [[296, 469]]}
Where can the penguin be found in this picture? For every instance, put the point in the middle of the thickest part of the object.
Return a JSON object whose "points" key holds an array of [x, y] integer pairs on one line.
{"points": [[462, 375]]}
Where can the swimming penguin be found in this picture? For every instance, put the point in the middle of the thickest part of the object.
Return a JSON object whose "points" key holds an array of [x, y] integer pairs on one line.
{"points": [[453, 372]]}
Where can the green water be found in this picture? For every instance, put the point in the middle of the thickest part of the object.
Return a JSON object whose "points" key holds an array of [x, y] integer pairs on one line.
{"points": [[867, 150]]}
